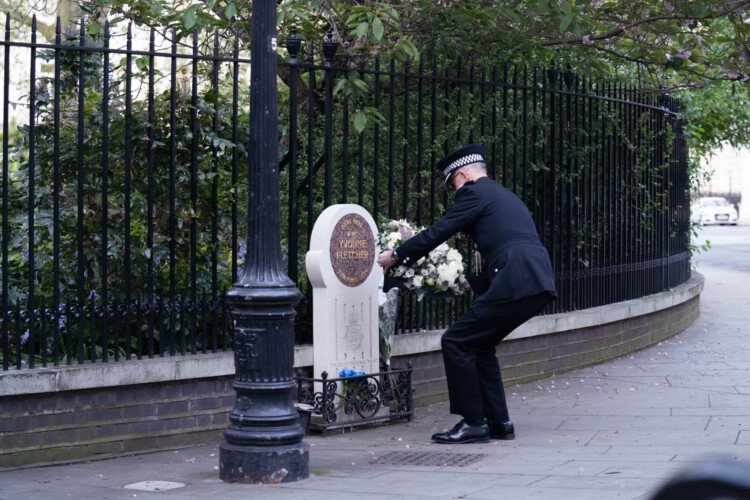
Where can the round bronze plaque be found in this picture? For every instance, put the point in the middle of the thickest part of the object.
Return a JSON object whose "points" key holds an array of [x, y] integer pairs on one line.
{"points": [[352, 250]]}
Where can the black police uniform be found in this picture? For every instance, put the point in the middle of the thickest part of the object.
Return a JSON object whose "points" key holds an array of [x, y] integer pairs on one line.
{"points": [[516, 284]]}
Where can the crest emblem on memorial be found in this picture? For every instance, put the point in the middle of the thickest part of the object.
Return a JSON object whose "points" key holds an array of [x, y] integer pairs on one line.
{"points": [[353, 335]]}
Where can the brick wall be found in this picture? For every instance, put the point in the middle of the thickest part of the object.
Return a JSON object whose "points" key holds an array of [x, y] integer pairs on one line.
{"points": [[83, 424]]}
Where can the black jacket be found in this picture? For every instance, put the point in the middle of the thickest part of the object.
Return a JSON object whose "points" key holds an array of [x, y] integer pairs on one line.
{"points": [[515, 263]]}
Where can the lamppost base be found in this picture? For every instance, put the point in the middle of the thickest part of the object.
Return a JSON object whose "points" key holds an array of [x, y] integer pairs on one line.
{"points": [[265, 465]]}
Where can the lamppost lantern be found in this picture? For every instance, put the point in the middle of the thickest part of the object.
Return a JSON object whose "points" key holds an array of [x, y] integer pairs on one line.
{"points": [[264, 438]]}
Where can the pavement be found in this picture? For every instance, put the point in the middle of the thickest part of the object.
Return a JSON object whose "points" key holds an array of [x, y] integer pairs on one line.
{"points": [[615, 430]]}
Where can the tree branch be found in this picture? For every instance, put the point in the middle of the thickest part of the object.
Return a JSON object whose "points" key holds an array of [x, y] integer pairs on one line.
{"points": [[647, 20], [47, 30]]}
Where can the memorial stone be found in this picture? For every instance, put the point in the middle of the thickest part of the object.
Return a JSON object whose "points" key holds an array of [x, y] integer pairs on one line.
{"points": [[341, 266]]}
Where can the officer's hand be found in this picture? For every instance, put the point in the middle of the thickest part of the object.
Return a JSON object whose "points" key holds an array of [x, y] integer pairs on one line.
{"points": [[385, 260]]}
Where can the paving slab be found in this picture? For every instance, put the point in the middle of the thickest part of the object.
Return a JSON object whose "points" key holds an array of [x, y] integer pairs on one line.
{"points": [[710, 411], [639, 422], [730, 401], [552, 493], [647, 398], [739, 364], [651, 438], [612, 411], [730, 379], [602, 484], [738, 423], [743, 437]]}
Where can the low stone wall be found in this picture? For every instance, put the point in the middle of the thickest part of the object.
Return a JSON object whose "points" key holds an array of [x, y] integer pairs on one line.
{"points": [[77, 412]]}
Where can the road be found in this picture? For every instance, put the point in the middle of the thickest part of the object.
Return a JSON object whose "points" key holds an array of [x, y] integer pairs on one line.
{"points": [[729, 248]]}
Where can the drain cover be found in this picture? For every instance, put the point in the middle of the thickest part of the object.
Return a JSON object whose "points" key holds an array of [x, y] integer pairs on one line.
{"points": [[433, 459], [154, 486]]}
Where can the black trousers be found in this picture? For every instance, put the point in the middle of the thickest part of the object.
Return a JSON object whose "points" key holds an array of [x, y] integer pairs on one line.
{"points": [[475, 386]]}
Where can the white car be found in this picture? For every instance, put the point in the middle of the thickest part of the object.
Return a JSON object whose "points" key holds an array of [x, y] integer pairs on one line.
{"points": [[713, 210]]}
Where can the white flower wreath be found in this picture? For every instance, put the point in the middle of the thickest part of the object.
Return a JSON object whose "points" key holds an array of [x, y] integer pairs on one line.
{"points": [[441, 271]]}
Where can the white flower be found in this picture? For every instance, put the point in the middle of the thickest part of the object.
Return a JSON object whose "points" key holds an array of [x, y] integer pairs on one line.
{"points": [[442, 249], [417, 281], [409, 273], [453, 255], [447, 274]]}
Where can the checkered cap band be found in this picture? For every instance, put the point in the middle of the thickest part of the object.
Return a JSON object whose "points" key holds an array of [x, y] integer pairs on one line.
{"points": [[473, 158]]}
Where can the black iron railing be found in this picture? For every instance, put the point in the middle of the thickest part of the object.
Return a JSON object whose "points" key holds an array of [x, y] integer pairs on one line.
{"points": [[124, 180], [337, 403]]}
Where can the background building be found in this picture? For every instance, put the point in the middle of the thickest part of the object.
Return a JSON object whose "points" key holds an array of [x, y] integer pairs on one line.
{"points": [[729, 178]]}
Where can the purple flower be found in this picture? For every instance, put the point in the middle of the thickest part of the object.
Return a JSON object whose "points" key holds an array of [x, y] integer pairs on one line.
{"points": [[406, 231], [586, 40], [731, 73], [684, 54], [25, 337]]}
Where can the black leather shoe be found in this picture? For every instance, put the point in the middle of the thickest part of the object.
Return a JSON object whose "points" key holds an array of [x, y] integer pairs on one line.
{"points": [[463, 433], [502, 430]]}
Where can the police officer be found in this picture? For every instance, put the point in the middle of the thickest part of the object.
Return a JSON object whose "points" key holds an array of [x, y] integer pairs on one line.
{"points": [[516, 283]]}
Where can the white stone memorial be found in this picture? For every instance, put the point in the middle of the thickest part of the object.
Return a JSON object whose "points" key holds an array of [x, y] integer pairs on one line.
{"points": [[342, 268]]}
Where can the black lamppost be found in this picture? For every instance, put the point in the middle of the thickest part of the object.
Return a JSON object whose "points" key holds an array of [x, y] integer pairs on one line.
{"points": [[264, 438]]}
